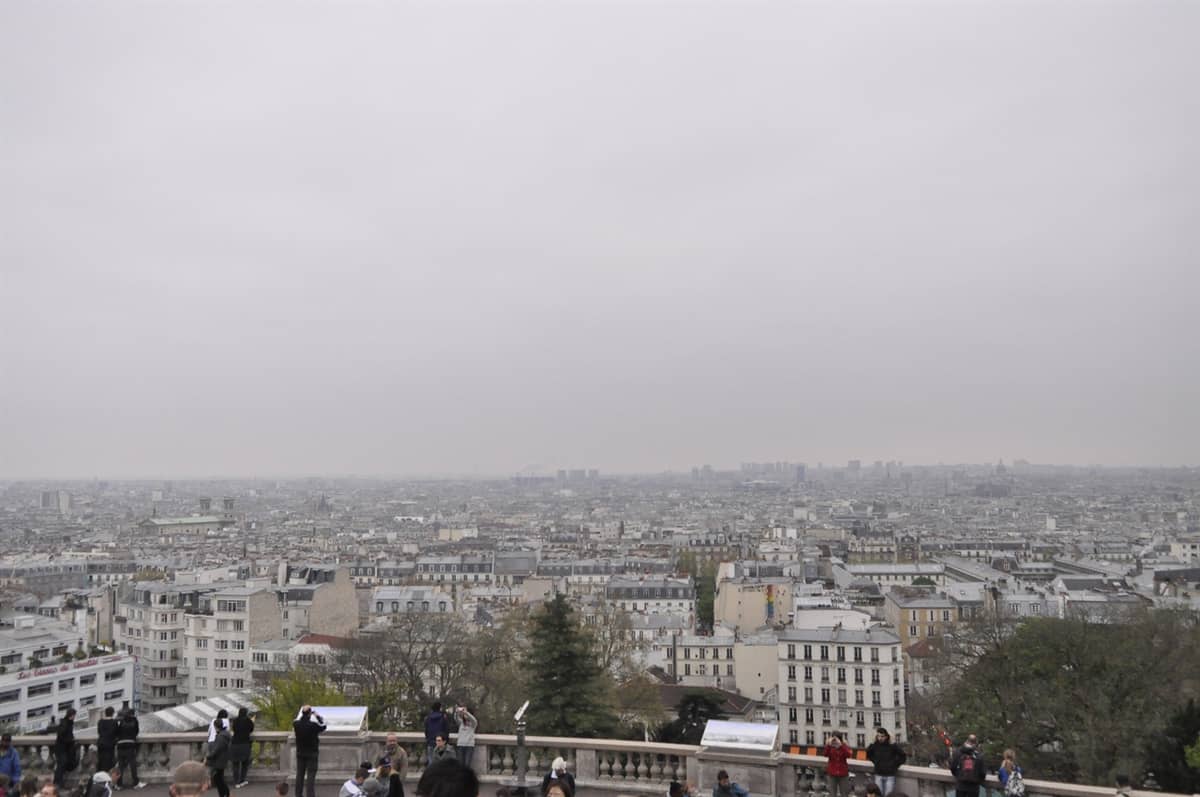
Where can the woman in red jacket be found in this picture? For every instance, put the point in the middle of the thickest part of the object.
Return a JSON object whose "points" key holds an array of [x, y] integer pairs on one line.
{"points": [[837, 772]]}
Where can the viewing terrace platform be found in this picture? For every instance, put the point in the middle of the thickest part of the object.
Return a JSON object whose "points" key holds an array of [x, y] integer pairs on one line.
{"points": [[601, 766]]}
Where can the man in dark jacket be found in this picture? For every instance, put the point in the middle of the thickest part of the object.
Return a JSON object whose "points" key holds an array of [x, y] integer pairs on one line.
{"points": [[66, 757], [888, 757], [436, 724], [128, 729], [308, 727], [106, 742], [968, 769]]}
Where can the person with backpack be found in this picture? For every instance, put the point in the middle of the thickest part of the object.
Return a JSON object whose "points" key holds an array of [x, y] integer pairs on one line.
{"points": [[966, 765], [1012, 778], [888, 757]]}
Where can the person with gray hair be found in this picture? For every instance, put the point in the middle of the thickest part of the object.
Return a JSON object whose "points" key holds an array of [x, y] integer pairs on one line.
{"points": [[558, 771]]}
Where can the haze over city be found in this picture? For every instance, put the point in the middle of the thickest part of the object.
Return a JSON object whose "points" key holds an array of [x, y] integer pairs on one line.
{"points": [[282, 239]]}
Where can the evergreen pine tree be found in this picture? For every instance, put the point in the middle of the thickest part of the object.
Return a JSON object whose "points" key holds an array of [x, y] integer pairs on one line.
{"points": [[569, 693]]}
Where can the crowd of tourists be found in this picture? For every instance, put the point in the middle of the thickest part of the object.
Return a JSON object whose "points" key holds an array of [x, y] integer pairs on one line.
{"points": [[448, 770]]}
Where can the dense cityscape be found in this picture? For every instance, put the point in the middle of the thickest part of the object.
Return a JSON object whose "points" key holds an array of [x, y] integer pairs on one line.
{"points": [[819, 598], [667, 398]]}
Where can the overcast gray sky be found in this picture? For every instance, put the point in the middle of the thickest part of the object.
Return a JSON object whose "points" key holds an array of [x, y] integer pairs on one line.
{"points": [[249, 238]]}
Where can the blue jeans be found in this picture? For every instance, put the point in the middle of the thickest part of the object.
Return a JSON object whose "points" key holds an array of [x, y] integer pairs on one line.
{"points": [[886, 784]]}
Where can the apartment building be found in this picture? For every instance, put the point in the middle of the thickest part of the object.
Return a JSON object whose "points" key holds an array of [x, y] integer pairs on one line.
{"points": [[150, 624], [31, 696], [270, 658], [218, 639], [748, 603], [386, 601], [756, 666], [697, 660], [918, 614], [43, 577], [886, 575], [319, 600], [653, 595], [835, 679], [457, 569]]}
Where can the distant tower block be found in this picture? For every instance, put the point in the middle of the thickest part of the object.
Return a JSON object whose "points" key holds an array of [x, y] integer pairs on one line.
{"points": [[205, 504], [228, 504]]}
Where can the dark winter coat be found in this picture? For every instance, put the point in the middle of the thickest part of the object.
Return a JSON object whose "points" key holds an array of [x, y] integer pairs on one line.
{"points": [[308, 731], [218, 750], [127, 730], [887, 757], [64, 744], [968, 768], [436, 724], [106, 732], [566, 778]]}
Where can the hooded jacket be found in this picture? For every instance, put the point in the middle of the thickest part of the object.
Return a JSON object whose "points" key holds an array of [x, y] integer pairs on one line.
{"points": [[436, 725]]}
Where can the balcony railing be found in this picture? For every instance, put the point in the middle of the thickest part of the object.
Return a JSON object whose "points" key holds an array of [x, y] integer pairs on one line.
{"points": [[598, 764]]}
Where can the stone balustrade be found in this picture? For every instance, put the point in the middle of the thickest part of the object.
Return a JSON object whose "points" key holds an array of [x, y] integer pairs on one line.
{"points": [[623, 767]]}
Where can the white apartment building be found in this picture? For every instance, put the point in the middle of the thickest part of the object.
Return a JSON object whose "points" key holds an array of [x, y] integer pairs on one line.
{"points": [[834, 679], [700, 660], [30, 698], [149, 624], [387, 601], [219, 637], [279, 655], [653, 595], [41, 676], [887, 575], [461, 569]]}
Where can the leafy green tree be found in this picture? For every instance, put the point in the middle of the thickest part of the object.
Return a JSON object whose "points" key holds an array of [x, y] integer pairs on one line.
{"points": [[569, 693], [1167, 754], [924, 581], [641, 711], [693, 712], [290, 690], [1076, 697]]}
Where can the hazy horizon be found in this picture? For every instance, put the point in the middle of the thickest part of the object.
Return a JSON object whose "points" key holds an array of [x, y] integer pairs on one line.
{"points": [[298, 239]]}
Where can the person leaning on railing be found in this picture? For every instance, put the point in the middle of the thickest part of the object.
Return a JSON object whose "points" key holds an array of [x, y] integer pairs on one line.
{"points": [[887, 758]]}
